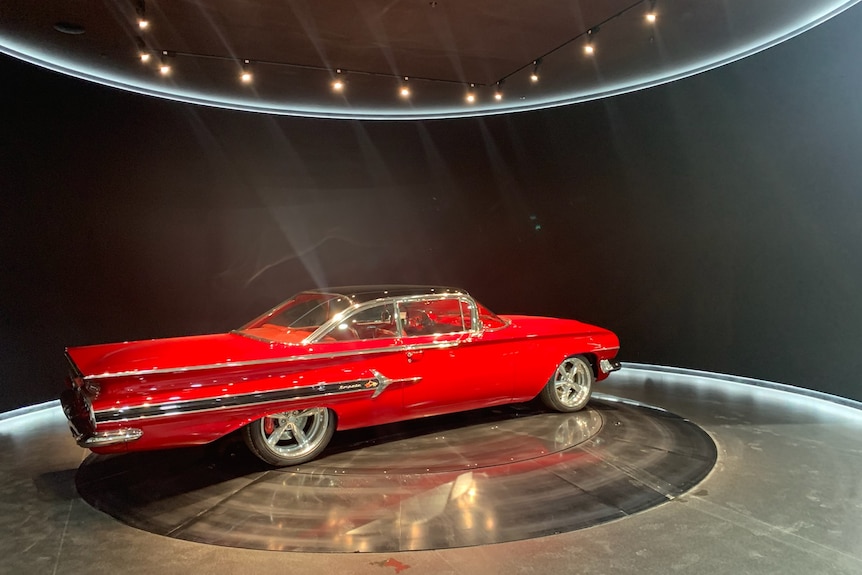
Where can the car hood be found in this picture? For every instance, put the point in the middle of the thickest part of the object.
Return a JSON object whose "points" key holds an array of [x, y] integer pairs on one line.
{"points": [[167, 354]]}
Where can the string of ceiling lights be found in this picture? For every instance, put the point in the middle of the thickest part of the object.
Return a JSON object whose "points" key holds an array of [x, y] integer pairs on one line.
{"points": [[164, 58]]}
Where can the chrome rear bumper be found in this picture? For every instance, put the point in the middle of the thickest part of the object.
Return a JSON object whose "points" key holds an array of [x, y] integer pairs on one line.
{"points": [[101, 438], [82, 422]]}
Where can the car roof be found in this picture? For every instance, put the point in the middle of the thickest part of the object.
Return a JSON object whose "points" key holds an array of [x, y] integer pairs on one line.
{"points": [[360, 294]]}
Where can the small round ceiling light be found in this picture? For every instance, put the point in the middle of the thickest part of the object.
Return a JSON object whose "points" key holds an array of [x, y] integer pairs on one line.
{"points": [[141, 11], [589, 49], [470, 98], [338, 82], [165, 65], [245, 75], [144, 53], [651, 14], [534, 75]]}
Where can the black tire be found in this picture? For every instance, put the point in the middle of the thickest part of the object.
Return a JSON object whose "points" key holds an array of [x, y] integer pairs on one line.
{"points": [[292, 437], [571, 386]]}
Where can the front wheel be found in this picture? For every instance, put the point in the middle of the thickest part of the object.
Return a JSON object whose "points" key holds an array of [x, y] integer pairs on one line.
{"points": [[570, 387], [292, 437]]}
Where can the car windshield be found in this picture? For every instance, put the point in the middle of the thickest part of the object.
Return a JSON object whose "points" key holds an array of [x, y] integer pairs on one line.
{"points": [[489, 319], [297, 318]]}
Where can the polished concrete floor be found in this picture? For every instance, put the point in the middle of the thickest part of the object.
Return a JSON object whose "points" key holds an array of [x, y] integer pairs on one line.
{"points": [[485, 476], [785, 496]]}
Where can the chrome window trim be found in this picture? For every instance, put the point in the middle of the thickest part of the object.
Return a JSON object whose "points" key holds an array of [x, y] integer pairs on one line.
{"points": [[506, 323], [476, 326], [354, 295], [323, 330]]}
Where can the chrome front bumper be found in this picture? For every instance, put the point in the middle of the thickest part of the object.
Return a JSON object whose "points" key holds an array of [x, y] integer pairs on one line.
{"points": [[609, 365]]}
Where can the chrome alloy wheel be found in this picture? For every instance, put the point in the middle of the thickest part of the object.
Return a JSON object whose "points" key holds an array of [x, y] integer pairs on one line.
{"points": [[571, 386], [573, 382], [295, 433], [291, 437]]}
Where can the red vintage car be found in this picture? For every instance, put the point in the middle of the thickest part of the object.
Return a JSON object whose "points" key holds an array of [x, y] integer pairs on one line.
{"points": [[327, 359]]}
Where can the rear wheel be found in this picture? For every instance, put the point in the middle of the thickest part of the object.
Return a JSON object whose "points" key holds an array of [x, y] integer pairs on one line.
{"points": [[292, 437], [570, 387]]}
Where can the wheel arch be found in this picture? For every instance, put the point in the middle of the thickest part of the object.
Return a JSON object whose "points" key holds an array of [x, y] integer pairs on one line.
{"points": [[592, 359]]}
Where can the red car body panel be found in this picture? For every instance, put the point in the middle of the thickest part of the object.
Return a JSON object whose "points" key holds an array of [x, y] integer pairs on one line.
{"points": [[171, 353], [193, 390]]}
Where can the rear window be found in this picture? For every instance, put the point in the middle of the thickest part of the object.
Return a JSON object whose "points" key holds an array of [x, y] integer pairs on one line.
{"points": [[433, 316]]}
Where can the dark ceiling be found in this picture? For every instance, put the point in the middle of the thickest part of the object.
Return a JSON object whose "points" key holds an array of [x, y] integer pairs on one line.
{"points": [[479, 41], [437, 48]]}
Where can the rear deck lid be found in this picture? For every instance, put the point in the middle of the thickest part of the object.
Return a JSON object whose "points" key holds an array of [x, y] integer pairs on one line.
{"points": [[172, 354]]}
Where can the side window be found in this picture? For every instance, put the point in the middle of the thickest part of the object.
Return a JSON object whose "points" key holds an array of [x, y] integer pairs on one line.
{"points": [[376, 322], [429, 317]]}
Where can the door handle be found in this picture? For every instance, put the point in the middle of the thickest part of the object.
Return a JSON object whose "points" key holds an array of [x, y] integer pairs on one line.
{"points": [[414, 355]]}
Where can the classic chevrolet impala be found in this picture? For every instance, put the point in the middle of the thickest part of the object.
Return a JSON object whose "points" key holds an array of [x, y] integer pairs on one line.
{"points": [[328, 359]]}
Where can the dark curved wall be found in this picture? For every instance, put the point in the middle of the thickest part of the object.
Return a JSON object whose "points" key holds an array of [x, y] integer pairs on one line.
{"points": [[714, 223]]}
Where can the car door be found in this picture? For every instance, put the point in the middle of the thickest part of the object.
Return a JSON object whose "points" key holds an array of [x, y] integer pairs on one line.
{"points": [[456, 366], [362, 365]]}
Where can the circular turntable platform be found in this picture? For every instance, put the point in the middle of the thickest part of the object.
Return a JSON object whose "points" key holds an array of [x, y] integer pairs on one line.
{"points": [[479, 477]]}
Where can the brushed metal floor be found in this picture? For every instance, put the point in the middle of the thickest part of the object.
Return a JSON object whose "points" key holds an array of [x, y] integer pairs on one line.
{"points": [[785, 496], [475, 478]]}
